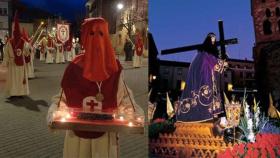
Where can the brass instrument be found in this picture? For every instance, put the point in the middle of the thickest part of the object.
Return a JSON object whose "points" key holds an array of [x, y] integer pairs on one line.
{"points": [[40, 30]]}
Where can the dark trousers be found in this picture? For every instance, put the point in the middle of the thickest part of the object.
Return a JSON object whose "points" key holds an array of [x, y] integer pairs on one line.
{"points": [[128, 56]]}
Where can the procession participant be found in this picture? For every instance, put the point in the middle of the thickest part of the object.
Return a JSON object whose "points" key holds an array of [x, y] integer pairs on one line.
{"points": [[28, 54], [50, 50], [77, 46], [59, 52], [17, 82], [43, 44], [128, 49], [69, 50], [95, 76], [138, 50]]}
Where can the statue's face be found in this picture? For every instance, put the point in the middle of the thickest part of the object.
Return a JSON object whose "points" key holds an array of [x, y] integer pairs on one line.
{"points": [[213, 39]]}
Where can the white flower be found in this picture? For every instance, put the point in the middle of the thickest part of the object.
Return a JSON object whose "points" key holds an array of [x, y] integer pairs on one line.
{"points": [[256, 116], [251, 137], [250, 124], [247, 111]]}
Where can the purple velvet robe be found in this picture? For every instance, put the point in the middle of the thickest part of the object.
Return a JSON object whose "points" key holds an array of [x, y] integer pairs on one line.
{"points": [[200, 99]]}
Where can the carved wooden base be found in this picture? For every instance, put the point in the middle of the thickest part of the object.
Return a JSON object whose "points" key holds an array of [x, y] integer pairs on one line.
{"points": [[190, 140]]}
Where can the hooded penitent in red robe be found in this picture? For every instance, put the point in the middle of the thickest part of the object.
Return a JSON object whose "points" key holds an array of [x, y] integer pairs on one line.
{"points": [[139, 45], [25, 37], [60, 48], [50, 42], [17, 42], [68, 44], [97, 66]]}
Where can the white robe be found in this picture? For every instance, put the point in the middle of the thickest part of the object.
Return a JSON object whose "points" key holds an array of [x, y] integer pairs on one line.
{"points": [[16, 75], [43, 43], [70, 55], [42, 55], [105, 146], [29, 66], [50, 55], [59, 55], [137, 60]]}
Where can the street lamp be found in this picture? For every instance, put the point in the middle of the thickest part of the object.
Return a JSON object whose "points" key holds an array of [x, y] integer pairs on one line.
{"points": [[120, 6]]}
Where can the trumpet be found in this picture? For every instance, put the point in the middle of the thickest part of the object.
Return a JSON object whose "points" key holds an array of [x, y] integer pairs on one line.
{"points": [[35, 38]]}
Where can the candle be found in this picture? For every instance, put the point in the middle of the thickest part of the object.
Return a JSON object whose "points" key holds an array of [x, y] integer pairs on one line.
{"points": [[130, 124], [121, 118], [62, 119], [68, 116]]}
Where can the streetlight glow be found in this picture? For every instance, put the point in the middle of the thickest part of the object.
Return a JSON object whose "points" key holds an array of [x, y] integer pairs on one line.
{"points": [[120, 6]]}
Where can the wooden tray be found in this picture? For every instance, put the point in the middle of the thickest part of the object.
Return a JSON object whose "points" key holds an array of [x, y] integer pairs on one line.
{"points": [[115, 125]]}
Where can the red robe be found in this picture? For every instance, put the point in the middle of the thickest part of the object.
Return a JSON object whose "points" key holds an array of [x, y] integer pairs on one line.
{"points": [[139, 45], [18, 46], [50, 43], [77, 89]]}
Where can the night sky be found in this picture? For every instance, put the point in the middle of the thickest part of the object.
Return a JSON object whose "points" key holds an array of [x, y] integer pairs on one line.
{"points": [[68, 9], [179, 23]]}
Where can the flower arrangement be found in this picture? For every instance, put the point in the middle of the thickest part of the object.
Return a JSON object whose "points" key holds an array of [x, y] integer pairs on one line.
{"points": [[251, 123], [260, 136], [266, 145]]}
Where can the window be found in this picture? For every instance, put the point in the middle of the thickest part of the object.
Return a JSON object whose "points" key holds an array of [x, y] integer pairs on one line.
{"points": [[165, 84], [5, 11], [225, 75], [166, 71], [267, 12], [248, 75], [1, 11], [277, 12], [241, 74], [267, 27], [179, 71], [178, 84], [279, 25]]}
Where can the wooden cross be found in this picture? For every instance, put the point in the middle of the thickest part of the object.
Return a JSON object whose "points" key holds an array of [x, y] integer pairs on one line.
{"points": [[222, 43]]}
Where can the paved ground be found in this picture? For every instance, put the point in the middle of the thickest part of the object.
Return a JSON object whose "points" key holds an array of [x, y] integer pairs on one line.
{"points": [[23, 130]]}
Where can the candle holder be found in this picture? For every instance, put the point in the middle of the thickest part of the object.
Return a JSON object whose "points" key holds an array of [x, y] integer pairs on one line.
{"points": [[233, 115], [96, 121]]}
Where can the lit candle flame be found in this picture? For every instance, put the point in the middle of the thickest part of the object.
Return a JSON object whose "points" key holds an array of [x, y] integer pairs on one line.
{"points": [[139, 119], [62, 119], [68, 116], [130, 124], [121, 118]]}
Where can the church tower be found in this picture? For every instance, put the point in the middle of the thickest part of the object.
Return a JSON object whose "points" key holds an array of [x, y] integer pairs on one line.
{"points": [[266, 51]]}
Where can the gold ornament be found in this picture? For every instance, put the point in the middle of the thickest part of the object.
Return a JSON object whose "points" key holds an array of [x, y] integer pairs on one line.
{"points": [[99, 97]]}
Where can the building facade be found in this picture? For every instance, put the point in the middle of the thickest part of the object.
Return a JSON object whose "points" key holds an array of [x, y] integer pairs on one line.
{"points": [[266, 51], [5, 18], [123, 21], [239, 75]]}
